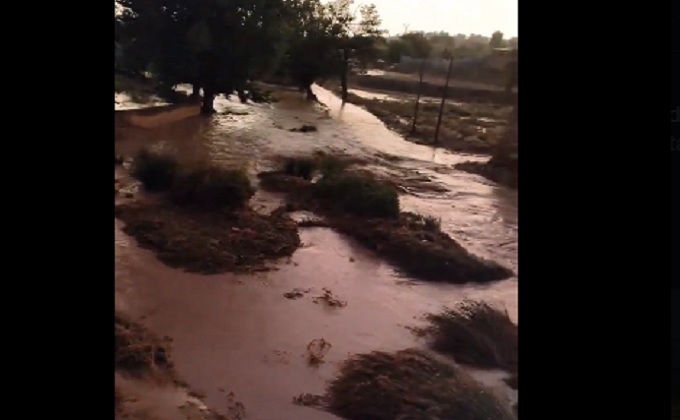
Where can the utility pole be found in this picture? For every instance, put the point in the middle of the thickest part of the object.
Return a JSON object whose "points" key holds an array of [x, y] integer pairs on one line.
{"points": [[441, 107], [420, 84]]}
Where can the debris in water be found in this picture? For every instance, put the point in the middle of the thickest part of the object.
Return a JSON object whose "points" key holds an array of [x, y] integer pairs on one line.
{"points": [[310, 400], [329, 300], [296, 293], [317, 350], [235, 409], [304, 129]]}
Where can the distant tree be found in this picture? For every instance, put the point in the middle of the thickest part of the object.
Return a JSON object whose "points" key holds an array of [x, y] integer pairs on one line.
{"points": [[496, 40], [419, 45]]}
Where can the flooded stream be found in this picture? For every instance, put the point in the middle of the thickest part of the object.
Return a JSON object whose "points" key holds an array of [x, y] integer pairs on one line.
{"points": [[239, 333]]}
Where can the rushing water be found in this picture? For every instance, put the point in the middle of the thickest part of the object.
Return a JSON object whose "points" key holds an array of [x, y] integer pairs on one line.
{"points": [[239, 333]]}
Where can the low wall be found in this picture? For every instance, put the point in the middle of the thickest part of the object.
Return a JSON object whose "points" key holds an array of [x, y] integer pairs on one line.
{"points": [[156, 116]]}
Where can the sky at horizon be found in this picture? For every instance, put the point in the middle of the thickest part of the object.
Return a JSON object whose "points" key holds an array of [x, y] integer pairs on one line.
{"points": [[454, 16]]}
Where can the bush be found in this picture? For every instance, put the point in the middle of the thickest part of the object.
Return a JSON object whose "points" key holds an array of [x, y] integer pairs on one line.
{"points": [[156, 172], [358, 194], [410, 384], [212, 189], [477, 334]]}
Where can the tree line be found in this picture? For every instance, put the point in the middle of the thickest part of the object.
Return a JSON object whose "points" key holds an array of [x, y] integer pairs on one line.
{"points": [[219, 46]]}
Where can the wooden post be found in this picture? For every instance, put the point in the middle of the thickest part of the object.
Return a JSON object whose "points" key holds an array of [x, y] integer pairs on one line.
{"points": [[420, 84], [441, 106]]}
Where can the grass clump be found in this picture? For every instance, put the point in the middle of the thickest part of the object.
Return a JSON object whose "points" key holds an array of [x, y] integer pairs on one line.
{"points": [[359, 195], [206, 188], [307, 166], [410, 384], [476, 334], [137, 351], [156, 172], [212, 188]]}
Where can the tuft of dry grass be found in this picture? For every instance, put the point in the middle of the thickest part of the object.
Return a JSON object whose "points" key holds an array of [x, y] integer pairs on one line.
{"points": [[476, 334], [138, 351], [410, 384]]}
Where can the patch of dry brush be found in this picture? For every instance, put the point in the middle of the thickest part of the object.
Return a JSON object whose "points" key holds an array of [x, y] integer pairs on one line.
{"points": [[138, 351], [475, 334], [410, 384]]}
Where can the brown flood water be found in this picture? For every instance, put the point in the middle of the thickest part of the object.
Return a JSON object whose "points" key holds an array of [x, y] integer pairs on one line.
{"points": [[239, 333]]}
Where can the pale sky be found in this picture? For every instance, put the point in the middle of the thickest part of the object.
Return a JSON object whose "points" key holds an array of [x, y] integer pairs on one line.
{"points": [[454, 16]]}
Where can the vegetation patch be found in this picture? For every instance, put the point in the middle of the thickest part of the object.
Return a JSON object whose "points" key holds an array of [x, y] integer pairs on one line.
{"points": [[476, 334], [202, 223], [211, 189], [358, 205], [156, 172], [359, 195], [210, 242], [410, 384], [412, 245], [138, 351]]}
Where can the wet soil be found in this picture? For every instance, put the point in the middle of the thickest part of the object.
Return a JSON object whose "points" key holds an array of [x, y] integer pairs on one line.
{"points": [[210, 242]]}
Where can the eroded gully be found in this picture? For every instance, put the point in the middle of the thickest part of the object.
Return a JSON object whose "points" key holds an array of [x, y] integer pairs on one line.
{"points": [[238, 333]]}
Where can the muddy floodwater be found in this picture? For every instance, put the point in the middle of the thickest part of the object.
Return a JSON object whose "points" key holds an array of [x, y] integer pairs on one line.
{"points": [[239, 334]]}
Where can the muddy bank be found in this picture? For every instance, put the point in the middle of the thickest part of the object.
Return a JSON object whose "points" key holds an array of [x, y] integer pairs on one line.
{"points": [[504, 172], [146, 383], [210, 242]]}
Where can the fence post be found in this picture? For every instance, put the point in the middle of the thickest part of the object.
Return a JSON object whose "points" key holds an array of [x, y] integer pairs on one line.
{"points": [[441, 106], [420, 84]]}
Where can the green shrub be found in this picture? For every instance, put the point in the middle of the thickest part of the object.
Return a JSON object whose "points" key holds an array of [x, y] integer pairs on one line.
{"points": [[156, 172], [358, 194], [212, 188]]}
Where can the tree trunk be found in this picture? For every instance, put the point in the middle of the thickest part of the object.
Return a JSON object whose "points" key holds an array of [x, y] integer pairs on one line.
{"points": [[195, 90], [208, 99], [310, 95], [343, 75]]}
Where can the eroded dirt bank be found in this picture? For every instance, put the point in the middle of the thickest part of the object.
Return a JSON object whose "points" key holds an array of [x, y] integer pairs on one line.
{"points": [[241, 334]]}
